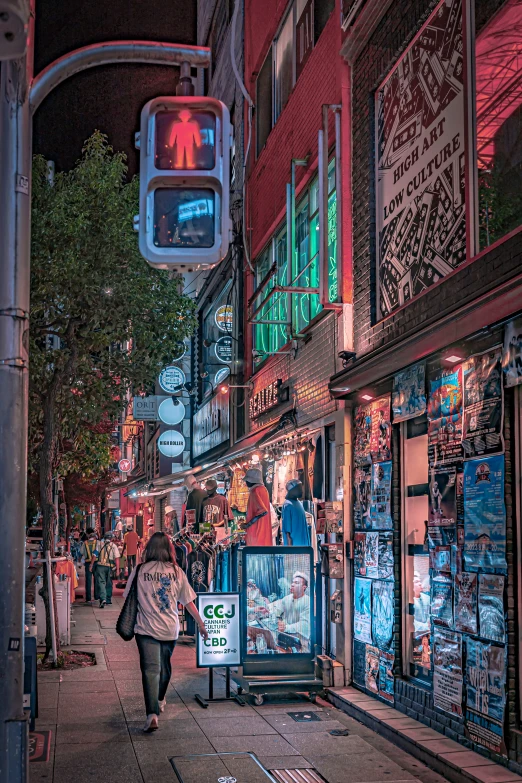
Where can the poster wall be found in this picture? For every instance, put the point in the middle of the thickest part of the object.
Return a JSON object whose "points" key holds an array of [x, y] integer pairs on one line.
{"points": [[420, 162]]}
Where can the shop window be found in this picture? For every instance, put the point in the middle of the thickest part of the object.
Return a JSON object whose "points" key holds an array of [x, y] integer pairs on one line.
{"points": [[284, 64], [332, 233], [270, 337], [498, 68], [417, 653]]}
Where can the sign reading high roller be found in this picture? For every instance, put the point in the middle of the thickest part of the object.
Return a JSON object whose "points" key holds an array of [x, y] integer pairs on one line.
{"points": [[184, 219]]}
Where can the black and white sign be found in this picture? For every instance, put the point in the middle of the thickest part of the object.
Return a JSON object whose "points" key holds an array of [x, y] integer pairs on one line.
{"points": [[171, 443], [145, 408], [221, 615], [172, 379], [223, 350], [421, 217]]}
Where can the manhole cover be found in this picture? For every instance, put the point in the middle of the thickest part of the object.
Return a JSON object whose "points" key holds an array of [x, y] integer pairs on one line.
{"points": [[304, 717]]}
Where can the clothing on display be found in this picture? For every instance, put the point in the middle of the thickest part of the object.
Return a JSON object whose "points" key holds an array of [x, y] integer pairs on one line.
{"points": [[215, 509], [295, 524], [260, 532], [238, 495]]}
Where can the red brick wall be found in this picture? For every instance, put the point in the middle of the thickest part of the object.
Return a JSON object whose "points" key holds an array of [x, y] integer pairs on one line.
{"points": [[295, 133]]}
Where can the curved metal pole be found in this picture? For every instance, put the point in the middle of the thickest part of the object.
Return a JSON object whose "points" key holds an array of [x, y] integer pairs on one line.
{"points": [[110, 53]]}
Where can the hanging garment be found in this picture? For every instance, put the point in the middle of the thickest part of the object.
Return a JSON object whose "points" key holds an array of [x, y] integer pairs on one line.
{"points": [[260, 532], [198, 571]]}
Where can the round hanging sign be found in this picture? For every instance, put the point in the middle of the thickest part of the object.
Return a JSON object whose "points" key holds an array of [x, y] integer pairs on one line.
{"points": [[224, 318], [172, 379], [220, 376], [181, 353], [171, 443], [124, 465], [223, 350], [171, 411]]}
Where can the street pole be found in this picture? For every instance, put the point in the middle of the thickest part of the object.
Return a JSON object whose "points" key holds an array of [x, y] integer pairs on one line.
{"points": [[20, 96], [15, 214]]}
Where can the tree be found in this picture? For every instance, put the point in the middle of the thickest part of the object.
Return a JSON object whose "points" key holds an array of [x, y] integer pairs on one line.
{"points": [[113, 320]]}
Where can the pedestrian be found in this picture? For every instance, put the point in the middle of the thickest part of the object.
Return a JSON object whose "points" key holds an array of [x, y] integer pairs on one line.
{"points": [[105, 558], [88, 548], [258, 524], [131, 542], [161, 586]]}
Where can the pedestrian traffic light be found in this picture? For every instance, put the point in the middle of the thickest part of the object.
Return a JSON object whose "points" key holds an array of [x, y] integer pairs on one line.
{"points": [[184, 219]]}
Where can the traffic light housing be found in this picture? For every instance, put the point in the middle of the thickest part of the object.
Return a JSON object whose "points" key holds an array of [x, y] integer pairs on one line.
{"points": [[184, 219]]}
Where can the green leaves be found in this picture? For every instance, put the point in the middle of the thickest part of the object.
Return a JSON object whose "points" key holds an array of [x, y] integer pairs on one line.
{"points": [[115, 321]]}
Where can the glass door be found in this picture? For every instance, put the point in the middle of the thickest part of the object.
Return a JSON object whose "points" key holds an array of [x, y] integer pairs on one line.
{"points": [[417, 649]]}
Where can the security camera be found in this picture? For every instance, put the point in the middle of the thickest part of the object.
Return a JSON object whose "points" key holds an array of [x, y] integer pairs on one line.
{"points": [[14, 21], [347, 357]]}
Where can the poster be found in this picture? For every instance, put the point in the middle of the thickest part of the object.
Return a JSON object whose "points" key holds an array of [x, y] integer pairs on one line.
{"points": [[512, 353], [466, 602], [371, 555], [359, 553], [386, 555], [359, 663], [484, 514], [420, 189], [362, 622], [447, 671], [363, 432], [483, 404], [386, 689], [382, 614], [485, 694], [443, 503], [409, 393], [445, 417], [442, 600], [380, 504], [380, 443], [363, 478], [421, 649], [491, 607], [372, 669]]}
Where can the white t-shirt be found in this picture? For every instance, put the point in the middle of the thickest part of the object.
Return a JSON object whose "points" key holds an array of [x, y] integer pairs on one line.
{"points": [[159, 592]]}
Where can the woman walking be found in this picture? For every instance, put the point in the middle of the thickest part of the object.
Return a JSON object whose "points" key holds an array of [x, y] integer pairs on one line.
{"points": [[161, 585]]}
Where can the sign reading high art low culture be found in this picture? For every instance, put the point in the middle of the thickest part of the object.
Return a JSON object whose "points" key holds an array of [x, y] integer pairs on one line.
{"points": [[420, 162]]}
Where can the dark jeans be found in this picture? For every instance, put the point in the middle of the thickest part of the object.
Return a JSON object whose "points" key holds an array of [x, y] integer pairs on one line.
{"points": [[102, 575], [156, 670], [131, 563], [88, 582]]}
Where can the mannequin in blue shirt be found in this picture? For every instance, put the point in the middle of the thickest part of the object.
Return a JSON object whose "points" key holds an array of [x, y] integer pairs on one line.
{"points": [[295, 527]]}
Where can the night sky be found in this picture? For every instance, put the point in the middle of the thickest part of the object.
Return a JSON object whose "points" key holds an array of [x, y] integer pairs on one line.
{"points": [[104, 98]]}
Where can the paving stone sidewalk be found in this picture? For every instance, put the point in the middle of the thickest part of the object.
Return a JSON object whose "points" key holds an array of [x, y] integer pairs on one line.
{"points": [[96, 716]]}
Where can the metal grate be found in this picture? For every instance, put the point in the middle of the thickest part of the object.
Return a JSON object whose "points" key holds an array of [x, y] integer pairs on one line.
{"points": [[297, 776], [304, 717]]}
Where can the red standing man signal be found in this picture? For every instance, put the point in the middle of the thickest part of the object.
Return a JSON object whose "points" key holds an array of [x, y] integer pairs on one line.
{"points": [[185, 134]]}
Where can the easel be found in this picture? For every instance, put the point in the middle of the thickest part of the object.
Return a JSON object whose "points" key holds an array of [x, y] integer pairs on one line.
{"points": [[228, 696]]}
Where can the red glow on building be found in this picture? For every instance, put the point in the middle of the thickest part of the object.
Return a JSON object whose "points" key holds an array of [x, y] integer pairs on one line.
{"points": [[186, 136], [498, 77]]}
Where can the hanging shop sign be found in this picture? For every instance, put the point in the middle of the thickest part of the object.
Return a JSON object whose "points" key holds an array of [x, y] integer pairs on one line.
{"points": [[223, 350], [124, 465], [221, 374], [420, 188], [211, 424], [171, 443], [224, 318], [145, 408], [222, 618], [171, 411], [172, 379], [266, 399], [179, 354]]}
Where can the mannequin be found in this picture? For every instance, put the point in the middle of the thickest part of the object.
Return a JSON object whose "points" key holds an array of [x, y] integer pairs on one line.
{"points": [[295, 527], [195, 498], [258, 524]]}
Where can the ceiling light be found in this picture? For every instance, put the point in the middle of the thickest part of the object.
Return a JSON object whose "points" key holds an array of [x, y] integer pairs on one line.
{"points": [[453, 358], [367, 397]]}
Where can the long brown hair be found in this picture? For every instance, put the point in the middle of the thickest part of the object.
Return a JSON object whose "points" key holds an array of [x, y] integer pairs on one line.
{"points": [[160, 548]]}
